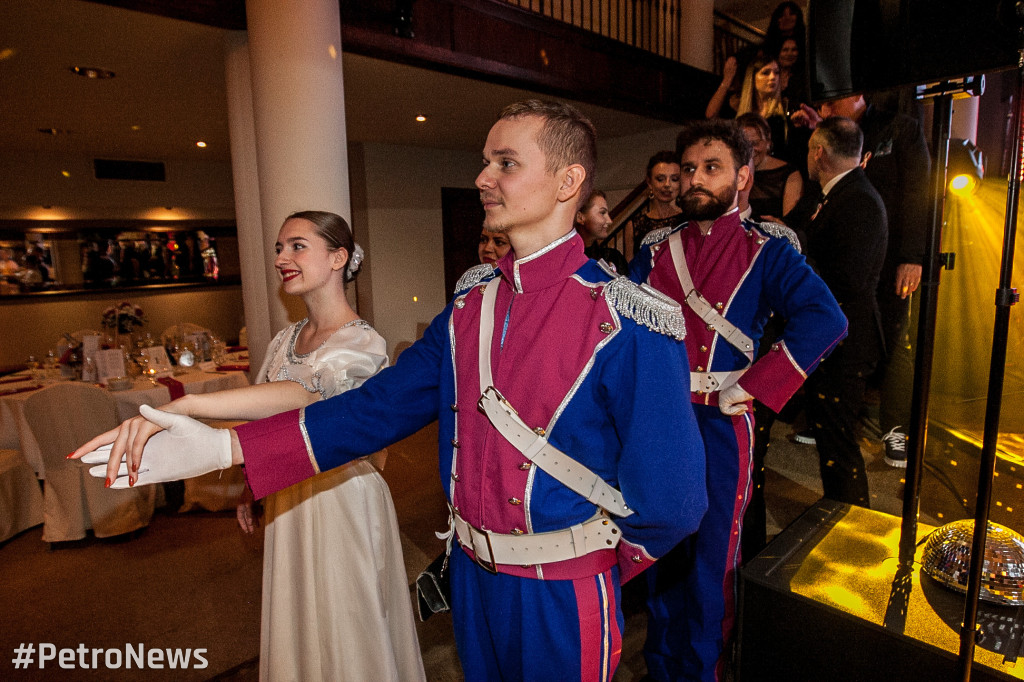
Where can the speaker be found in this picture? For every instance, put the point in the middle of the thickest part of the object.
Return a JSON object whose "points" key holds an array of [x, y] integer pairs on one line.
{"points": [[864, 45], [828, 600], [113, 169]]}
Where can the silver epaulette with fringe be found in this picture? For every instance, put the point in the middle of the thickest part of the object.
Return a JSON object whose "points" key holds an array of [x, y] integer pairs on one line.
{"points": [[645, 306], [780, 231], [657, 235], [473, 276]]}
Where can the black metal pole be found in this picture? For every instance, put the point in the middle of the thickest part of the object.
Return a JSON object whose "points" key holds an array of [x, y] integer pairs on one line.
{"points": [[942, 121], [1006, 296]]}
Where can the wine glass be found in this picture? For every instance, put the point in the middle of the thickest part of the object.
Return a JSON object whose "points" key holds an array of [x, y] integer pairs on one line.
{"points": [[50, 364], [217, 349], [33, 367]]}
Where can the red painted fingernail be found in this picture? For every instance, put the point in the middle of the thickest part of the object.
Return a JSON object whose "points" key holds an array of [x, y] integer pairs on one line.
{"points": [[68, 456], [135, 468], [106, 483], [131, 482]]}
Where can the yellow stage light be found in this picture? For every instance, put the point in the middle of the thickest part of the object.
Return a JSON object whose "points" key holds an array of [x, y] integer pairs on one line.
{"points": [[962, 184]]}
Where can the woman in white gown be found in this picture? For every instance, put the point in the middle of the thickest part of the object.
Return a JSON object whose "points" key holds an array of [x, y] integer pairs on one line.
{"points": [[336, 603]]}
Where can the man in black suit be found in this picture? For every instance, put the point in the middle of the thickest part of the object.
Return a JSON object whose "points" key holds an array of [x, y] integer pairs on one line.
{"points": [[898, 164], [846, 241]]}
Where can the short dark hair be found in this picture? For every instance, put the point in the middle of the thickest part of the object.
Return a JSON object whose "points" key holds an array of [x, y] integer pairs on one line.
{"points": [[841, 136], [757, 122], [665, 156], [334, 230], [707, 131], [568, 137]]}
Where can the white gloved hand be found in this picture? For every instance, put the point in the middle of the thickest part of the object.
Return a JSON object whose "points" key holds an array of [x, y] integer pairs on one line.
{"points": [[733, 399], [185, 449]]}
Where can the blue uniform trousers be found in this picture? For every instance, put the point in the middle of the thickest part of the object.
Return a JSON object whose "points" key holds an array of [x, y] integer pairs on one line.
{"points": [[691, 594], [511, 628]]}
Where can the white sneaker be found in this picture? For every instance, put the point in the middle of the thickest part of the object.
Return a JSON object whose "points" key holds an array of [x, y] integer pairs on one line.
{"points": [[805, 437], [895, 448]]}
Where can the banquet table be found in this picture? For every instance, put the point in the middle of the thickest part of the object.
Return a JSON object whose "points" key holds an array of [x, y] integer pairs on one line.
{"points": [[15, 433]]}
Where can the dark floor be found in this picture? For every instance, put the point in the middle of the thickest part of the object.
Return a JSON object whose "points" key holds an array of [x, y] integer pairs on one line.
{"points": [[193, 580]]}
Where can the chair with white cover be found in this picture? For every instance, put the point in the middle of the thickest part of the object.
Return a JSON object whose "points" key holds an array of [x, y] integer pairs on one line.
{"points": [[21, 500], [62, 417], [180, 331]]}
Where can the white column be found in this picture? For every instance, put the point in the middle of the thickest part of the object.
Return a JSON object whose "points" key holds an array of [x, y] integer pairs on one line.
{"points": [[697, 33], [299, 115], [244, 172]]}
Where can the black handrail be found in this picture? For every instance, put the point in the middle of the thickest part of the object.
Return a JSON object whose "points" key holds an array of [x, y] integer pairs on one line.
{"points": [[622, 213], [652, 25]]}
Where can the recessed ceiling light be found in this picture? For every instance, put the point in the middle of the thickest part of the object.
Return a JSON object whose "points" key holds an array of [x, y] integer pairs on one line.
{"points": [[135, 128], [421, 118], [53, 132], [66, 174], [201, 144], [93, 72]]}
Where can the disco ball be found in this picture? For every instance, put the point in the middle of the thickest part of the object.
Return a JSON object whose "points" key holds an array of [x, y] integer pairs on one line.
{"points": [[947, 556]]}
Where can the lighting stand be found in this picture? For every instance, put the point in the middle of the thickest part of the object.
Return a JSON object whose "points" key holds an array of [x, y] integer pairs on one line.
{"points": [[934, 261], [1006, 296]]}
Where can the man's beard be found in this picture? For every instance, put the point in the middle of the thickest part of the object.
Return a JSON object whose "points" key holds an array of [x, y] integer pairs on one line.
{"points": [[700, 204]]}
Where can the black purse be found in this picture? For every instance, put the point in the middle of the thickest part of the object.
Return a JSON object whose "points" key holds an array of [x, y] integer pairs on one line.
{"points": [[433, 589]]}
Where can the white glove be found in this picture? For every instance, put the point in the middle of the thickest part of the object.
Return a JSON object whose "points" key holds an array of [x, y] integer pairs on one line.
{"points": [[185, 449], [732, 400]]}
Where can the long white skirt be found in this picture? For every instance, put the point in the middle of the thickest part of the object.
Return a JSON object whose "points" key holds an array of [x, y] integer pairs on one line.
{"points": [[336, 602]]}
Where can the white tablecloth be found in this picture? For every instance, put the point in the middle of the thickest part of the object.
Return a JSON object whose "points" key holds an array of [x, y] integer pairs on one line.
{"points": [[14, 431]]}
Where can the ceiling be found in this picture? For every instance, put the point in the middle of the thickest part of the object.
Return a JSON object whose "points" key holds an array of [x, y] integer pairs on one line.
{"points": [[169, 89]]}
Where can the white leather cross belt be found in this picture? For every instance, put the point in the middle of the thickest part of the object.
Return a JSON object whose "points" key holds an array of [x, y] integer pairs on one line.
{"points": [[550, 459], [529, 549], [709, 382]]}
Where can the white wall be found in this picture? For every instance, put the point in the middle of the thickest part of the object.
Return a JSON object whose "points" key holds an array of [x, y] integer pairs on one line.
{"points": [[402, 233]]}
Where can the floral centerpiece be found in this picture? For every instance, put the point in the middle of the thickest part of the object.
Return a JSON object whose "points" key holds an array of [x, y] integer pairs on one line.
{"points": [[123, 318]]}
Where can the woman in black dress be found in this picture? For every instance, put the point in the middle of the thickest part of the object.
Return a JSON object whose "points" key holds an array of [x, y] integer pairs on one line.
{"points": [[661, 209]]}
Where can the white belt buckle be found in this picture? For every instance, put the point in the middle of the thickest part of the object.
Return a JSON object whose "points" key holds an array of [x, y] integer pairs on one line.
{"points": [[491, 567]]}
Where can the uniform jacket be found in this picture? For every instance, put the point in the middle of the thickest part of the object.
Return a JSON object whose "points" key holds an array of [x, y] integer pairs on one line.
{"points": [[568, 354], [748, 271]]}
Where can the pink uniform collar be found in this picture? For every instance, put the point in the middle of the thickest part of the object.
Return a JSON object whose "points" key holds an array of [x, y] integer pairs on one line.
{"points": [[546, 267]]}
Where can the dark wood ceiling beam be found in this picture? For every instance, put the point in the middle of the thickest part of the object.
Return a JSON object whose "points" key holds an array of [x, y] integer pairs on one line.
{"points": [[229, 14], [497, 42]]}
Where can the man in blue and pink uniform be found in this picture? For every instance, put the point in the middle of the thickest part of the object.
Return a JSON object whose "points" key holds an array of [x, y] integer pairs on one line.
{"points": [[729, 276], [570, 379]]}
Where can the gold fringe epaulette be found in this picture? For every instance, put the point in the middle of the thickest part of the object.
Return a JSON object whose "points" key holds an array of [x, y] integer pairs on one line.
{"points": [[645, 306], [470, 278], [655, 236], [781, 232]]}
